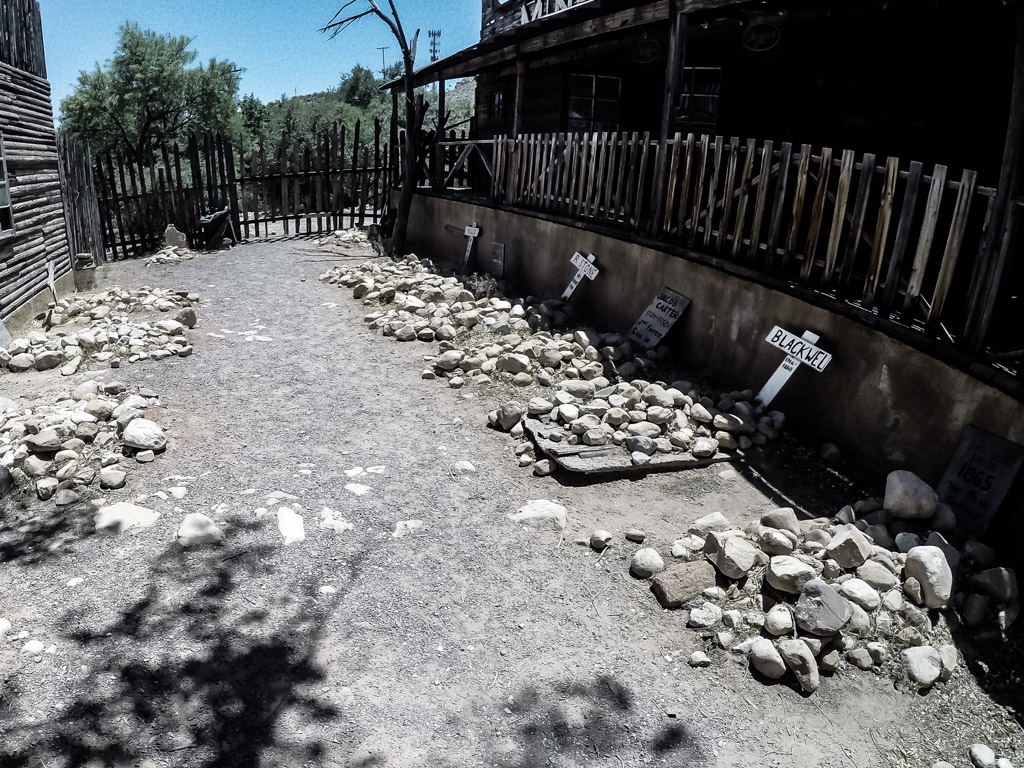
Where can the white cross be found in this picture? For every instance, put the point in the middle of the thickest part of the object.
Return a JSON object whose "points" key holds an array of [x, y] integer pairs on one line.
{"points": [[802, 351], [585, 268], [472, 232]]}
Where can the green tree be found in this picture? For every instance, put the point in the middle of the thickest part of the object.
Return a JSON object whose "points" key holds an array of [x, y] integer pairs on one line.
{"points": [[148, 94], [360, 88]]}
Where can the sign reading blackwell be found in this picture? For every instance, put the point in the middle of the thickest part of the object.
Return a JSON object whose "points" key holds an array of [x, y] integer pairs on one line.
{"points": [[541, 9], [979, 476]]}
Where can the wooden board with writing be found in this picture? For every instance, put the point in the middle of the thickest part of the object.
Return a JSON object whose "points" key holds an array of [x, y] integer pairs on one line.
{"points": [[658, 319], [979, 476]]}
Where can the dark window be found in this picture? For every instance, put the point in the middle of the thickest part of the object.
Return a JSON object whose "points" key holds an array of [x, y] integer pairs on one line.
{"points": [[594, 103], [6, 217], [699, 95], [498, 105]]}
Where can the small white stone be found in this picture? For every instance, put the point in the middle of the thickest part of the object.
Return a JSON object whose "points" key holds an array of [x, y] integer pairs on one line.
{"points": [[357, 490], [405, 527], [33, 648], [75, 581], [327, 590], [699, 659], [463, 467], [290, 524]]}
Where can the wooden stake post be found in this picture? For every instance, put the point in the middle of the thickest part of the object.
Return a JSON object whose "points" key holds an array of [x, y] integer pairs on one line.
{"points": [[585, 268], [801, 351]]}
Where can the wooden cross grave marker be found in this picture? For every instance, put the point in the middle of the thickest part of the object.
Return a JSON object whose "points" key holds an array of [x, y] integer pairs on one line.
{"points": [[800, 351], [585, 268], [472, 232]]}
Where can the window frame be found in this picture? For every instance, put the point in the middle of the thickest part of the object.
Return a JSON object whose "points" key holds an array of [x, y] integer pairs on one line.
{"points": [[7, 227]]}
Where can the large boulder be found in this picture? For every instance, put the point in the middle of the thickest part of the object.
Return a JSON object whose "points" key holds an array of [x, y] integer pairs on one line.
{"points": [[922, 664], [849, 547], [788, 574], [821, 610], [798, 657], [998, 583], [908, 497], [681, 583], [144, 435], [928, 565], [730, 553]]}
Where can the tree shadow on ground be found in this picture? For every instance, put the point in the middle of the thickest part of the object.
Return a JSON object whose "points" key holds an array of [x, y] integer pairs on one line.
{"points": [[194, 672], [581, 723], [32, 532]]}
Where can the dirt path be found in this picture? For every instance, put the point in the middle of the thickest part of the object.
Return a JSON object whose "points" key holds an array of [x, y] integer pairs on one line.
{"points": [[469, 642]]}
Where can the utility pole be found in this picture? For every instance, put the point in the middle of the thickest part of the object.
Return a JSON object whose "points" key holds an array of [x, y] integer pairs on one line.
{"points": [[383, 64]]}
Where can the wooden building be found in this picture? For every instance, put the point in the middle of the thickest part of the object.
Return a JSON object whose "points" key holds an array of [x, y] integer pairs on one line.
{"points": [[34, 254], [848, 167]]}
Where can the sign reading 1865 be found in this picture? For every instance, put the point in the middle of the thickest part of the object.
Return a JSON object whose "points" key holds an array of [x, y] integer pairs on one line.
{"points": [[979, 477], [540, 9]]}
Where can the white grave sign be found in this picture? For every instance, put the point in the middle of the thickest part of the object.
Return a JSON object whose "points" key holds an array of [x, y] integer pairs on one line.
{"points": [[800, 350], [658, 319], [585, 268], [472, 232]]}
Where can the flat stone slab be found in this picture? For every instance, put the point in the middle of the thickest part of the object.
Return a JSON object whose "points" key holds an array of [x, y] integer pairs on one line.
{"points": [[598, 459]]}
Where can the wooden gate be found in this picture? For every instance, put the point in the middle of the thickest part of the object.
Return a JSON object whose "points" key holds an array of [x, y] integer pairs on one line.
{"points": [[300, 187]]}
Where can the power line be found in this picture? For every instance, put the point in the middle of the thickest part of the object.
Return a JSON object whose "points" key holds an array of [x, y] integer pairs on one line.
{"points": [[383, 63]]}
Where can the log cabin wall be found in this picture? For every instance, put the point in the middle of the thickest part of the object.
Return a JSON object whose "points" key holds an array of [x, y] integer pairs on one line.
{"points": [[33, 235]]}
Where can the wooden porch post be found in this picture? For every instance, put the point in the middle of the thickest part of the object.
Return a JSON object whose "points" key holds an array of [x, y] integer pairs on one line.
{"points": [[517, 108], [993, 262], [673, 72], [395, 155], [439, 171]]}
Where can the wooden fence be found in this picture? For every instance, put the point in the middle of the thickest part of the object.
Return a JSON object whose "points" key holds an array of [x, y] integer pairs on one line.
{"points": [[301, 186], [887, 237], [81, 204]]}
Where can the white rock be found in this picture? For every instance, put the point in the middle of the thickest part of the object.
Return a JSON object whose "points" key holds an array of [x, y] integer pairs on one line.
{"points": [[788, 574], [405, 527], [699, 659], [357, 490], [291, 526], [33, 648], [463, 467], [982, 756], [861, 593], [908, 497], [197, 529], [922, 664], [766, 658], [122, 517], [542, 509], [144, 435], [706, 615], [646, 562], [332, 523], [928, 565]]}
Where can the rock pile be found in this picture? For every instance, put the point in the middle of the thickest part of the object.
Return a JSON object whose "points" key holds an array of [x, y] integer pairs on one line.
{"points": [[345, 237], [876, 587], [603, 395], [99, 327], [171, 254], [645, 419], [81, 439]]}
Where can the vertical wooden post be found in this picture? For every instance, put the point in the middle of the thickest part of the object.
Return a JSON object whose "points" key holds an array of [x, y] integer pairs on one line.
{"points": [[992, 265], [673, 73], [439, 171], [517, 107]]}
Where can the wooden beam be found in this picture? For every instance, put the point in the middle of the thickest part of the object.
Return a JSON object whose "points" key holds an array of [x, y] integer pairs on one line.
{"points": [[517, 107], [992, 265], [440, 182], [670, 93]]}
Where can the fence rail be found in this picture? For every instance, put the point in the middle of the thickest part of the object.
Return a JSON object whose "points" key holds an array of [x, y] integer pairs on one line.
{"points": [[887, 237], [314, 186]]}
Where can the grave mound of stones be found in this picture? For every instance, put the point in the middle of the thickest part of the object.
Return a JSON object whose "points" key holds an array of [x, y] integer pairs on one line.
{"points": [[85, 437], [344, 237], [99, 328], [877, 587], [172, 254], [601, 393]]}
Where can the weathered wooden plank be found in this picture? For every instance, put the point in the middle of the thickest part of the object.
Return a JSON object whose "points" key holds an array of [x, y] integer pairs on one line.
{"points": [[744, 194], [817, 213], [838, 214], [925, 239], [728, 190], [684, 192], [849, 260], [642, 180], [892, 169], [899, 247], [698, 188], [767, 159], [672, 181], [954, 243], [709, 214]]}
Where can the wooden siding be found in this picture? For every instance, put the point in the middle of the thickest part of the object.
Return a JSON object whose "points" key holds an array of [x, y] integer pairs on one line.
{"points": [[30, 145], [21, 36]]}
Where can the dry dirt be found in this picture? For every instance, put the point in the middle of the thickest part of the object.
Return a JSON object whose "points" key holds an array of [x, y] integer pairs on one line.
{"points": [[470, 642]]}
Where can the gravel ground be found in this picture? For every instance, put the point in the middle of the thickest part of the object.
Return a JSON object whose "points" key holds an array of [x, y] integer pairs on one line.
{"points": [[472, 641]]}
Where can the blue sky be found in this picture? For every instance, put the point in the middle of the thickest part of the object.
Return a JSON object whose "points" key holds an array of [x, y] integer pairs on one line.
{"points": [[276, 42]]}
